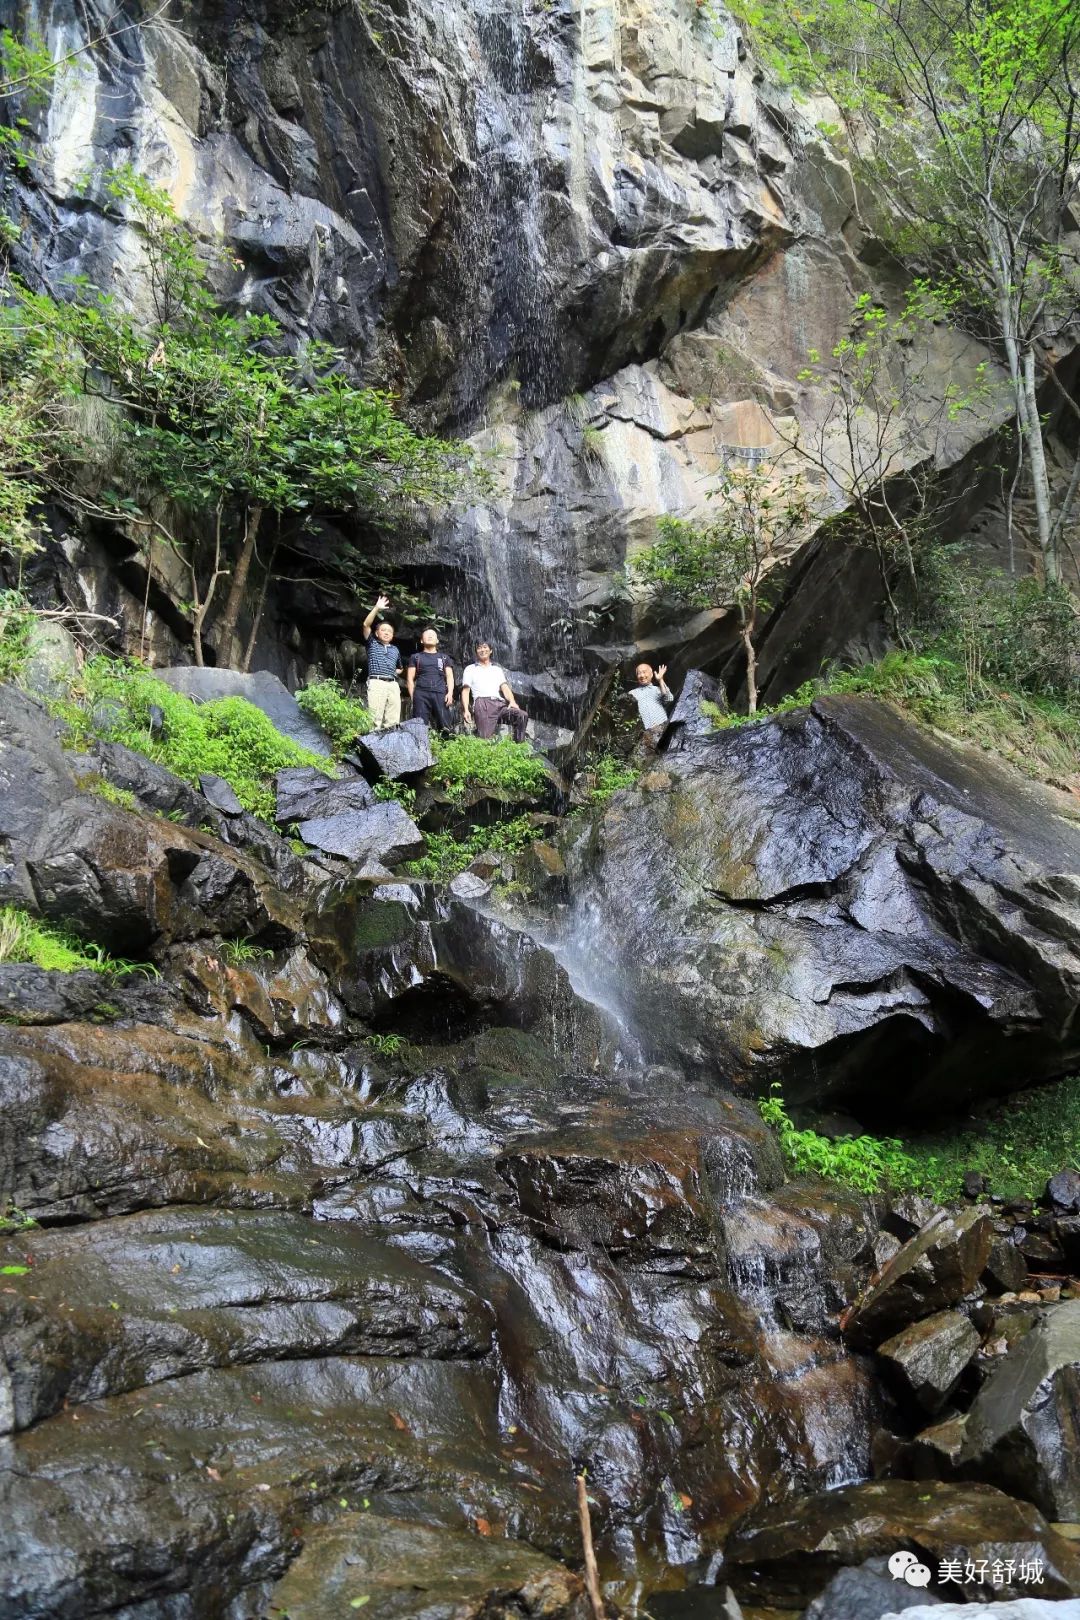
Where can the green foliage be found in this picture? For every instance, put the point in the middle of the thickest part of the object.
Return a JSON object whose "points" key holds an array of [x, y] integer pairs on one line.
{"points": [[962, 122], [16, 634], [123, 798], [447, 855], [726, 561], [216, 412], [228, 737], [343, 718], [238, 952], [26, 72], [14, 1219], [1017, 1143], [1018, 633], [610, 774], [500, 765], [386, 1045], [24, 939], [866, 1163], [387, 791]]}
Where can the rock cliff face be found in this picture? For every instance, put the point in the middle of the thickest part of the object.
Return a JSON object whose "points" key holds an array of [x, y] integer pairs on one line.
{"points": [[588, 233], [837, 897]]}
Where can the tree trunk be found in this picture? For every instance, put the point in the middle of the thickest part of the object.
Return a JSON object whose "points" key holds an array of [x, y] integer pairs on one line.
{"points": [[226, 630], [249, 651], [747, 634], [1040, 481]]}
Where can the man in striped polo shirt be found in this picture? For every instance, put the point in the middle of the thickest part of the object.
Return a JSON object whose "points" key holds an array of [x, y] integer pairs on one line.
{"points": [[383, 663]]}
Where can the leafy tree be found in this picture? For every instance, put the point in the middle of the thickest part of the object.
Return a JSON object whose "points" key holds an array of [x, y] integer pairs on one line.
{"points": [[726, 562], [220, 417], [963, 118]]}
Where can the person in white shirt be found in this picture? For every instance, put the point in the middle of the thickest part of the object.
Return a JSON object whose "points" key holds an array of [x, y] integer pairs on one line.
{"points": [[486, 691], [653, 701]]}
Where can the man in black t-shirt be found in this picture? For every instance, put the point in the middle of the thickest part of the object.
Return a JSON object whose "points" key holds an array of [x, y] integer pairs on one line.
{"points": [[430, 680]]}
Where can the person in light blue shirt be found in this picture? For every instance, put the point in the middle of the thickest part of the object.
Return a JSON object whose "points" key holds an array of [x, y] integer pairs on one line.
{"points": [[653, 697]]}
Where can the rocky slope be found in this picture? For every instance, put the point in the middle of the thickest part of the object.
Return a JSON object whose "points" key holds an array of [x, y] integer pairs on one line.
{"points": [[309, 1316]]}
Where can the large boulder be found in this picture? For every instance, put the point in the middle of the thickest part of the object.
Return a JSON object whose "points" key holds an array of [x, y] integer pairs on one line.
{"points": [[784, 1556], [382, 833], [401, 751], [1022, 1430], [305, 793], [840, 897], [928, 1358], [129, 881], [938, 1266], [416, 1572]]}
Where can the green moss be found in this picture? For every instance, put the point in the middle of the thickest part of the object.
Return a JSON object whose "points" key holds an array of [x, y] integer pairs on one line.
{"points": [[380, 924], [123, 798], [342, 717], [227, 737]]}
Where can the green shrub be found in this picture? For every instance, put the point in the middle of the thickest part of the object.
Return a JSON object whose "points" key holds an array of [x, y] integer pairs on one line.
{"points": [[501, 765], [612, 774], [16, 634], [228, 737], [239, 951], [25, 939], [343, 718], [1017, 1144], [448, 855], [866, 1163]]}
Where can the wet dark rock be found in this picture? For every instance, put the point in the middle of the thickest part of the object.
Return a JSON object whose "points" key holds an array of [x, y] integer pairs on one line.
{"points": [[687, 718], [867, 1592], [1063, 1191], [785, 1556], [401, 751], [975, 1184], [198, 1489], [283, 998], [413, 1570], [128, 881], [161, 1294], [36, 775], [1006, 1269], [1042, 1251], [304, 793], [934, 1269], [928, 1358], [1022, 1427], [908, 1214], [33, 995], [382, 833], [837, 895], [153, 786], [219, 793], [262, 689]]}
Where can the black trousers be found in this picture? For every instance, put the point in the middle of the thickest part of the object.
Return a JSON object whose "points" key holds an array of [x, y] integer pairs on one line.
{"points": [[431, 706]]}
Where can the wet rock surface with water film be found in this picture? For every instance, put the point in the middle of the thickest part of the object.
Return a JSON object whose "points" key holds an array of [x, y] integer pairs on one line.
{"points": [[886, 919], [355, 1245]]}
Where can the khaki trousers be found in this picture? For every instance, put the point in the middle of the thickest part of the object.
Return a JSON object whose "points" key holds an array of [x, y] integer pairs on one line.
{"points": [[384, 703]]}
